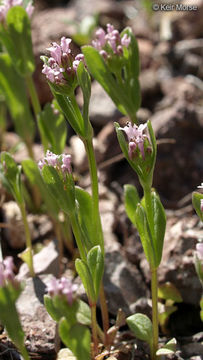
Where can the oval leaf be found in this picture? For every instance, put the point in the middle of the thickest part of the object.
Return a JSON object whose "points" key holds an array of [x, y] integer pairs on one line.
{"points": [[141, 326]]}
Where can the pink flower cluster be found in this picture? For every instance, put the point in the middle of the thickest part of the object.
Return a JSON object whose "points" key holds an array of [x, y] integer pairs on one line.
{"points": [[61, 162], [7, 4], [136, 138], [199, 250], [110, 38], [62, 63], [6, 271], [62, 286]]}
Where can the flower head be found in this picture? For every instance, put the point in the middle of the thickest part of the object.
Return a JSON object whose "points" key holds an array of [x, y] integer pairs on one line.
{"points": [[110, 42], [136, 139], [61, 65], [6, 271], [61, 162], [8, 4], [62, 287]]}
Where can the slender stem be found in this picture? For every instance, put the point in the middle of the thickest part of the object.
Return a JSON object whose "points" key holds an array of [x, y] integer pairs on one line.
{"points": [[77, 234], [155, 323], [94, 183], [148, 206], [60, 244], [33, 95], [105, 314], [94, 328], [28, 238], [97, 221]]}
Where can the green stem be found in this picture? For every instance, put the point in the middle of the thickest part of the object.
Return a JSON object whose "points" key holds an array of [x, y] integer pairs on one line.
{"points": [[97, 221], [155, 323], [94, 328], [148, 207], [95, 190], [28, 238], [60, 245], [33, 95], [24, 353], [77, 234], [105, 314]]}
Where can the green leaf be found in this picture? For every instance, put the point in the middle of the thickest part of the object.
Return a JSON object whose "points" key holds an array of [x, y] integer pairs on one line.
{"points": [[95, 261], [145, 235], [10, 174], [77, 339], [131, 200], [169, 291], [71, 111], [83, 313], [53, 130], [167, 349], [196, 201], [9, 316], [159, 226], [33, 174], [141, 326], [85, 216], [17, 40], [64, 198], [103, 75], [164, 316], [85, 83], [54, 312], [86, 277], [13, 87]]}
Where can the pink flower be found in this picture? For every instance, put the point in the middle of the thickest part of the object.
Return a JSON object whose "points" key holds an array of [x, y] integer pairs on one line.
{"points": [[111, 39], [29, 9], [62, 286], [66, 166], [6, 271], [8, 4], [136, 138], [61, 162], [65, 43], [201, 205], [125, 40], [199, 250], [61, 63]]}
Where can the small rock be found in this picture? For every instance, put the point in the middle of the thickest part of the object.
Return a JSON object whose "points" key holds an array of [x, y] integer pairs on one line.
{"points": [[192, 349], [45, 262], [177, 264], [123, 282], [40, 330], [65, 354]]}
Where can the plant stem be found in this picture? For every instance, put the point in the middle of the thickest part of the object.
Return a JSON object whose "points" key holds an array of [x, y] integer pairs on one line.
{"points": [[24, 353], [95, 190], [104, 312], [148, 207], [77, 234], [97, 221], [94, 328], [60, 244], [33, 95], [28, 238], [155, 324]]}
